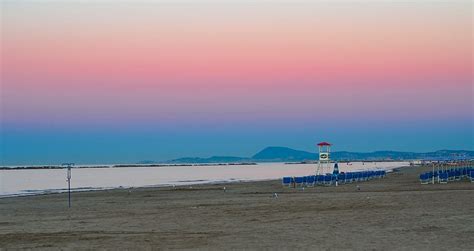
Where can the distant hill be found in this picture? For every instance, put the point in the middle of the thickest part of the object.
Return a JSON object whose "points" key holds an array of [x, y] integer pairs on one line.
{"points": [[394, 155], [285, 154], [275, 153]]}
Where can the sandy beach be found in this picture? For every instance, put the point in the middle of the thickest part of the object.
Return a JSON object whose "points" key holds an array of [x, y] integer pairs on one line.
{"points": [[391, 213]]}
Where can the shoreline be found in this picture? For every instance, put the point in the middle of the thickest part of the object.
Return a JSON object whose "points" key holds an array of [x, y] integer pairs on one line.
{"points": [[85, 166], [49, 167], [85, 190], [179, 183]]}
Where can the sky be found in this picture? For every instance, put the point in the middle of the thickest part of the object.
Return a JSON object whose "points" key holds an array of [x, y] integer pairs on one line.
{"points": [[124, 81]]}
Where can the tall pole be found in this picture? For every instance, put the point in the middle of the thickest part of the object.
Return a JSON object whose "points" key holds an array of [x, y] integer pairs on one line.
{"points": [[69, 185], [319, 161], [68, 177], [329, 159], [433, 179]]}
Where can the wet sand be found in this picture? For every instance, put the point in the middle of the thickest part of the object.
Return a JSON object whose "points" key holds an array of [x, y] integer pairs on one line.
{"points": [[391, 213]]}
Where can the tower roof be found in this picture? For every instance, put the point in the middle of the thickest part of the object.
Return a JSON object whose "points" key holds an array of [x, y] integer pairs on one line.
{"points": [[324, 144]]}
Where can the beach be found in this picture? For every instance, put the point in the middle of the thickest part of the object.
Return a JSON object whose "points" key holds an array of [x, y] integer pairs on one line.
{"points": [[395, 212]]}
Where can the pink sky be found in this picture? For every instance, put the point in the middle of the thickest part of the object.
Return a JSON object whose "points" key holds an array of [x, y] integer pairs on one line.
{"points": [[96, 63]]}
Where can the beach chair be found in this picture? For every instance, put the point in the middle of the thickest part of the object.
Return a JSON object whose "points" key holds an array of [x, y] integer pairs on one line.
{"points": [[299, 181], [327, 180], [451, 175], [348, 178], [471, 175], [320, 179], [424, 178], [430, 176], [437, 174], [371, 175], [356, 176], [366, 176], [457, 175], [310, 180], [287, 181], [341, 178], [443, 178]]}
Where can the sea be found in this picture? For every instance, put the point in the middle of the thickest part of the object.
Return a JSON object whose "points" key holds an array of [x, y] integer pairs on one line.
{"points": [[21, 182]]}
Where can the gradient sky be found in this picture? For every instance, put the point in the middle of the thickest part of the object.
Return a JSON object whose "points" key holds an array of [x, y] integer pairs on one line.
{"points": [[124, 81]]}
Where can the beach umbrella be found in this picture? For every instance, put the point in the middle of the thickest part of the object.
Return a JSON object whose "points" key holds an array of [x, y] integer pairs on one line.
{"points": [[336, 169], [336, 172]]}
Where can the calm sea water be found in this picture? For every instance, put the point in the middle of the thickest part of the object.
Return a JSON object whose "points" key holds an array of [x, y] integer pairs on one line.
{"points": [[24, 182]]}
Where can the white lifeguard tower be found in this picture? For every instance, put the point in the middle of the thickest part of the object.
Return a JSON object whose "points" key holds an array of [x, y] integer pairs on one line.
{"points": [[324, 161]]}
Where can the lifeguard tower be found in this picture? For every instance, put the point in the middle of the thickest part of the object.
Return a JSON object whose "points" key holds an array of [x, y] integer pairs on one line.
{"points": [[324, 161]]}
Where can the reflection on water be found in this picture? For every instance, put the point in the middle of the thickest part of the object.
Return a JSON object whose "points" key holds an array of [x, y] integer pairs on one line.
{"points": [[18, 182]]}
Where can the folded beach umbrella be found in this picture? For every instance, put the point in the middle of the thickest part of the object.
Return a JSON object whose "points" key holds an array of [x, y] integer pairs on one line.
{"points": [[336, 169]]}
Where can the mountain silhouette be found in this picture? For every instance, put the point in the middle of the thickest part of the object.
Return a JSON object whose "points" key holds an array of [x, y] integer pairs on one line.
{"points": [[285, 154]]}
